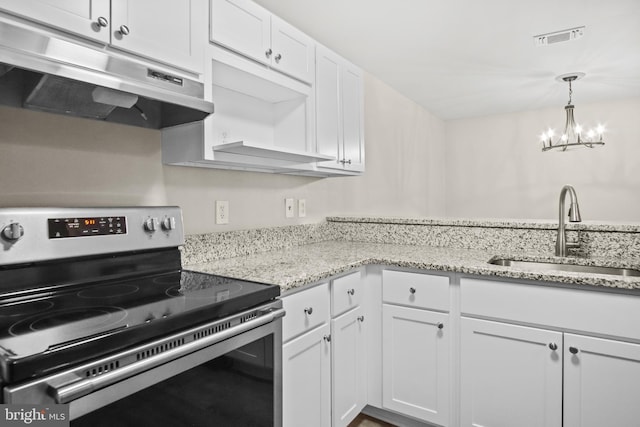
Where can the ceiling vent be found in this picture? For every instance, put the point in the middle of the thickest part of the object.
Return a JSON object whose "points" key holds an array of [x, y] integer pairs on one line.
{"points": [[559, 36]]}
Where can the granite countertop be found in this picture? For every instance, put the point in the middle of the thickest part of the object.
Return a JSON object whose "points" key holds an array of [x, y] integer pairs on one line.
{"points": [[301, 265]]}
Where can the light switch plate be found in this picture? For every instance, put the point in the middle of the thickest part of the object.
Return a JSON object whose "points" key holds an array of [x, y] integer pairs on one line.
{"points": [[302, 208], [288, 208]]}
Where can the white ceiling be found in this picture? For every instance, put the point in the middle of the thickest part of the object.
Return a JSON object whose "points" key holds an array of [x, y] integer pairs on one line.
{"points": [[469, 58]]}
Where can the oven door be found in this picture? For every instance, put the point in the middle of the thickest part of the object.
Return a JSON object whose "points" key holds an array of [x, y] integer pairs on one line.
{"points": [[237, 380]]}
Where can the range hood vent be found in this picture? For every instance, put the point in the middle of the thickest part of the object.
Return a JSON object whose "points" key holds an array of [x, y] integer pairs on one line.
{"points": [[44, 73]]}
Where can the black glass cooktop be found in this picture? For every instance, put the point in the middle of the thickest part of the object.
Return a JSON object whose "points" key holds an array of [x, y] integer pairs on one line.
{"points": [[79, 323]]}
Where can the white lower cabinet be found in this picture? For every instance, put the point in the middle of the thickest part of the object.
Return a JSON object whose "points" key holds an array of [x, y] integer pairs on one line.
{"points": [[323, 357], [513, 375], [601, 382], [306, 376], [415, 367], [510, 375], [306, 358], [349, 393], [416, 355]]}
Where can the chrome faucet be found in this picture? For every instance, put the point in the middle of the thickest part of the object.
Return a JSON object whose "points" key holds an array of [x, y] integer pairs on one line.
{"points": [[574, 216]]}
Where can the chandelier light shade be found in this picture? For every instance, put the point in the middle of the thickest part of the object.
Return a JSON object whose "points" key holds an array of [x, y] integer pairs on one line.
{"points": [[573, 135]]}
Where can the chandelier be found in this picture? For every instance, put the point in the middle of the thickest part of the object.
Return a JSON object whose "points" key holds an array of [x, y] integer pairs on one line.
{"points": [[573, 135]]}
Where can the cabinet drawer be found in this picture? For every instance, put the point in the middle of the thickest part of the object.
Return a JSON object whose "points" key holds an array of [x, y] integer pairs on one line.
{"points": [[346, 293], [415, 290], [589, 310], [306, 310]]}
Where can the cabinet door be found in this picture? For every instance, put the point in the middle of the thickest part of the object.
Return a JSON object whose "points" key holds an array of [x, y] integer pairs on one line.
{"points": [[328, 114], [242, 26], [601, 383], [510, 376], [163, 30], [415, 363], [75, 16], [306, 377], [352, 118], [293, 51], [349, 393]]}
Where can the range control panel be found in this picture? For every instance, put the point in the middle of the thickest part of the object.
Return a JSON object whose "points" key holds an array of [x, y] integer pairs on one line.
{"points": [[36, 234], [60, 228]]}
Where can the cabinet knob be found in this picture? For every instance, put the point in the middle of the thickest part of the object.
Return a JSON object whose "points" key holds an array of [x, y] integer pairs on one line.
{"points": [[573, 350], [327, 338], [278, 57], [360, 318], [440, 325], [308, 310], [102, 21], [268, 53], [412, 290], [351, 291], [553, 346], [124, 30]]}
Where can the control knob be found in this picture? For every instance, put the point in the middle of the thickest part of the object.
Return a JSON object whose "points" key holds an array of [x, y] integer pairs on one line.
{"points": [[169, 223], [150, 224], [12, 232]]}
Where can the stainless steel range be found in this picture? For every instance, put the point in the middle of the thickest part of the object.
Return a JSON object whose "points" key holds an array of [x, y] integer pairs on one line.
{"points": [[97, 312]]}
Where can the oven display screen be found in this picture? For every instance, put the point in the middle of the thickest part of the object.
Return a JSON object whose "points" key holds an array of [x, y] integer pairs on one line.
{"points": [[60, 228]]}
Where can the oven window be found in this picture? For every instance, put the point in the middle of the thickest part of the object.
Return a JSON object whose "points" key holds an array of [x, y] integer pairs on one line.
{"points": [[236, 389]]}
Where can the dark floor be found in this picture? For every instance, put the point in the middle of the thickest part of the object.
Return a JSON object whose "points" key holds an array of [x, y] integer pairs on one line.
{"points": [[363, 420]]}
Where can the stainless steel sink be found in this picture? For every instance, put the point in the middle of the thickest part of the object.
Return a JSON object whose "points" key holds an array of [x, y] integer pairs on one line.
{"points": [[546, 266]]}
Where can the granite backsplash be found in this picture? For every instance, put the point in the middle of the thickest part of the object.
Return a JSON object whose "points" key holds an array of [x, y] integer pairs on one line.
{"points": [[535, 237]]}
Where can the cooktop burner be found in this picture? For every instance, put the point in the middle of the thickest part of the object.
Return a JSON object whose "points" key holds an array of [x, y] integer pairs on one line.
{"points": [[24, 309], [86, 319]]}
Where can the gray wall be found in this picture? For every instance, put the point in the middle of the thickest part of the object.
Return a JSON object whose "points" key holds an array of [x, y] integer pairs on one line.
{"points": [[54, 160], [495, 167]]}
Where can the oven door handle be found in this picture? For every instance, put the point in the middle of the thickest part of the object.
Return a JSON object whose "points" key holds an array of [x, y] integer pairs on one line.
{"points": [[68, 392]]}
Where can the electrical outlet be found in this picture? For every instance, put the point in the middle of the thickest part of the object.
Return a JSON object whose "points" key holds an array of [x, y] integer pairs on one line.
{"points": [[222, 212], [302, 208], [288, 208]]}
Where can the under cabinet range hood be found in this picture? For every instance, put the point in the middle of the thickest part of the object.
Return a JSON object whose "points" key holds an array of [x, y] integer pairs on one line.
{"points": [[46, 73]]}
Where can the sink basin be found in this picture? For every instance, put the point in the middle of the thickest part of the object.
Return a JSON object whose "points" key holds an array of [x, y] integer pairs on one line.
{"points": [[546, 266]]}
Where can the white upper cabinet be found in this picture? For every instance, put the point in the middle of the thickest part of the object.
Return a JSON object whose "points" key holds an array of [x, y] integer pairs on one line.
{"points": [[242, 26], [339, 112], [88, 18], [163, 30], [246, 28], [293, 52], [167, 31]]}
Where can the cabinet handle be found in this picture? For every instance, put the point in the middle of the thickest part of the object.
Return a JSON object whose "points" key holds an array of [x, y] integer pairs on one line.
{"points": [[440, 325], [124, 30], [345, 162], [412, 290], [278, 57], [268, 53], [573, 350], [553, 346], [308, 310], [327, 338], [102, 21], [360, 318], [351, 291]]}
